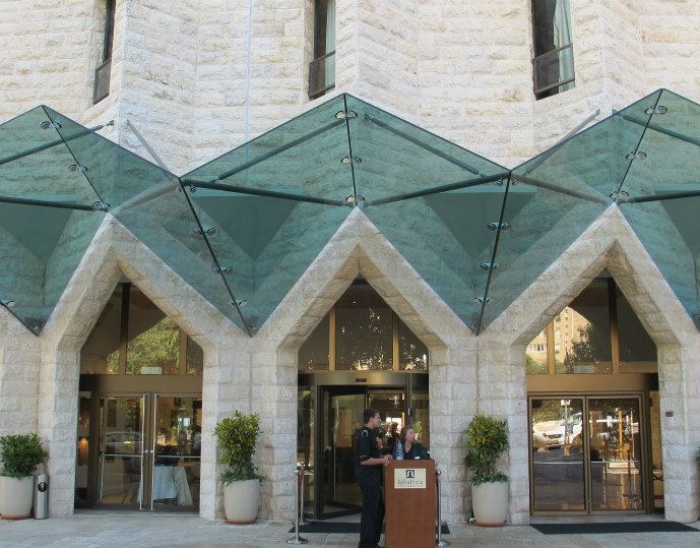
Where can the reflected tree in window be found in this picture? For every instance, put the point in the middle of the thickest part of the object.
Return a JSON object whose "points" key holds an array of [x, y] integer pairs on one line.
{"points": [[157, 347], [591, 347]]}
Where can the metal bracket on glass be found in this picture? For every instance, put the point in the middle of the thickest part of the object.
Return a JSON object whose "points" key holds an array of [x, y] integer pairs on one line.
{"points": [[496, 225]]}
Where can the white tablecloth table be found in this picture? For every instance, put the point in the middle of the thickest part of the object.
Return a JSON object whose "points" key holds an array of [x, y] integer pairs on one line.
{"points": [[170, 482]]}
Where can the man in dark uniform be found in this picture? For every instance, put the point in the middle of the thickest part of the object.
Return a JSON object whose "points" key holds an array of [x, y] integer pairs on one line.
{"points": [[368, 471]]}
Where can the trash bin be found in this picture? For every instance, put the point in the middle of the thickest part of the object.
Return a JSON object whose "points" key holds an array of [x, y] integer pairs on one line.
{"points": [[41, 496]]}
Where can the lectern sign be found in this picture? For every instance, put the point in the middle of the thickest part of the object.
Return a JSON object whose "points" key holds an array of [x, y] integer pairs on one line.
{"points": [[410, 484], [410, 478]]}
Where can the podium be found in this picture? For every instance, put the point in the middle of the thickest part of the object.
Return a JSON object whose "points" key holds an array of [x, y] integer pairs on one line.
{"points": [[409, 496]]}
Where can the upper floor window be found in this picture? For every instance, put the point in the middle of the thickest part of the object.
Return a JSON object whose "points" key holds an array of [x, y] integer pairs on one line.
{"points": [[102, 73], [553, 65], [322, 68]]}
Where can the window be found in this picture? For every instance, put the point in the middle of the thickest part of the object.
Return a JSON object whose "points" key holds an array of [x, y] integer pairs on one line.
{"points": [[553, 63], [361, 333], [598, 333], [102, 73], [134, 337], [322, 68]]}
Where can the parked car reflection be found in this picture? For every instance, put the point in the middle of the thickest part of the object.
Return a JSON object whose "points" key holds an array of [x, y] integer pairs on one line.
{"points": [[554, 434]]}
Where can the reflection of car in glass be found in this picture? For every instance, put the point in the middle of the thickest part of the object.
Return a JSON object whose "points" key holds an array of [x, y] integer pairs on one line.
{"points": [[123, 443], [554, 434]]}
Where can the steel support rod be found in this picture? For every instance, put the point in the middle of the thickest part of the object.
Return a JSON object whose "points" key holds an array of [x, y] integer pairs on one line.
{"points": [[296, 539], [440, 540]]}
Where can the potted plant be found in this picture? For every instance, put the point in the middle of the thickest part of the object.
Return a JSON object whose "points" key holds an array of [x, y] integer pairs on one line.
{"points": [[486, 441], [20, 454], [237, 437]]}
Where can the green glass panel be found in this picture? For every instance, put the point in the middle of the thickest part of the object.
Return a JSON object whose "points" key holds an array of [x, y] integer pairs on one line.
{"points": [[594, 163], [40, 248], [114, 174], [56, 179], [37, 166], [272, 250], [394, 159], [446, 238], [246, 226], [670, 233], [667, 162], [539, 223], [302, 157]]}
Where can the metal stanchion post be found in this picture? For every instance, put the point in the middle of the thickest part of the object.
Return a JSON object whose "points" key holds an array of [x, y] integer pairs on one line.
{"points": [[302, 477], [440, 540], [297, 539]]}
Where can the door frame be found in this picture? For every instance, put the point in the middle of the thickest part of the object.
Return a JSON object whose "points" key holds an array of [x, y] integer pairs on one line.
{"points": [[135, 386], [360, 381], [646, 473]]}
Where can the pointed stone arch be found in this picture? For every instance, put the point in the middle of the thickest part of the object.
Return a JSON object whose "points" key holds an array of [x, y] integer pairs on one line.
{"points": [[113, 254], [358, 248], [609, 243]]}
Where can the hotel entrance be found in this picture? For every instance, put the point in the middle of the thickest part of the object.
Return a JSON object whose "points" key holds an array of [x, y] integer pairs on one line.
{"points": [[590, 454], [330, 414], [360, 355], [593, 394], [146, 450], [139, 423]]}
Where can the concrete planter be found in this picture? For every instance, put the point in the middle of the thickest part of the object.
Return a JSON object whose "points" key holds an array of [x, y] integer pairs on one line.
{"points": [[16, 497], [490, 503], [241, 501]]}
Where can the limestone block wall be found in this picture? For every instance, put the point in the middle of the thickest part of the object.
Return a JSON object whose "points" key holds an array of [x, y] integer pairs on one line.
{"points": [[670, 40], [389, 30], [49, 53], [252, 71], [156, 76], [20, 363], [474, 76]]}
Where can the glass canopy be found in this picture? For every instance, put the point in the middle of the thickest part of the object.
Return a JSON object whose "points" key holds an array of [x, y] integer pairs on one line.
{"points": [[645, 158], [243, 228]]}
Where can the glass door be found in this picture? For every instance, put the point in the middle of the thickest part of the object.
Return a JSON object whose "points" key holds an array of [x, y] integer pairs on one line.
{"points": [[557, 455], [616, 454], [587, 466], [149, 451], [121, 454], [341, 418]]}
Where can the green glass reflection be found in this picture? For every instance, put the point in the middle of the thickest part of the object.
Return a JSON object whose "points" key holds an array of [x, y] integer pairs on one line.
{"points": [[446, 238], [302, 157], [394, 159], [314, 352], [153, 341], [538, 224], [413, 354]]}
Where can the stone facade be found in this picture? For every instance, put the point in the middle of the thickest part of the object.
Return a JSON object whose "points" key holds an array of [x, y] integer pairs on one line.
{"points": [[197, 79]]}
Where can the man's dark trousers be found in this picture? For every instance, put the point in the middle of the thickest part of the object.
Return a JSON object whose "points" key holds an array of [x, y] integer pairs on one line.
{"points": [[372, 513]]}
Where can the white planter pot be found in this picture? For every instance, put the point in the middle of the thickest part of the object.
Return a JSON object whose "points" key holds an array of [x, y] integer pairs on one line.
{"points": [[16, 497], [490, 503], [241, 501]]}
